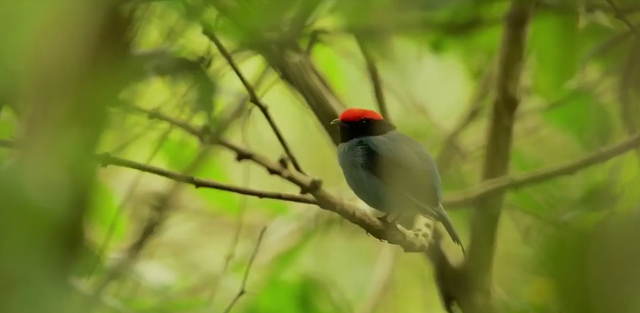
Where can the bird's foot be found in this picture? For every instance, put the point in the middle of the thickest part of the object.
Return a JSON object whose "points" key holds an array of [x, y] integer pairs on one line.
{"points": [[388, 220]]}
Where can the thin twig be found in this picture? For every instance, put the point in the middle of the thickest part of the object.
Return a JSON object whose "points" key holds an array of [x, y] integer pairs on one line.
{"points": [[253, 97], [243, 284], [106, 159], [619, 14], [374, 76]]}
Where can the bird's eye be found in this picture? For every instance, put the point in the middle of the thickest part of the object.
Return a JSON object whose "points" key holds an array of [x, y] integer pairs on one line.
{"points": [[364, 121]]}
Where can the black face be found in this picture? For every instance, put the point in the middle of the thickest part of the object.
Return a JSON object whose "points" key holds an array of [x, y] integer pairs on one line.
{"points": [[364, 128]]}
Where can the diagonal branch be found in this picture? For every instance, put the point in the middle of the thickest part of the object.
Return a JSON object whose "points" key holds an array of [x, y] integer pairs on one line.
{"points": [[106, 159], [253, 97], [374, 75]]}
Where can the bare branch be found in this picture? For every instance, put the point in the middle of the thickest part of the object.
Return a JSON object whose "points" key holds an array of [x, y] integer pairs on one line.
{"points": [[243, 285], [374, 75], [106, 159], [253, 97]]}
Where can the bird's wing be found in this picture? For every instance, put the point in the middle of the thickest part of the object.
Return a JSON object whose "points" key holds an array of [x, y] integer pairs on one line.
{"points": [[407, 168], [405, 165]]}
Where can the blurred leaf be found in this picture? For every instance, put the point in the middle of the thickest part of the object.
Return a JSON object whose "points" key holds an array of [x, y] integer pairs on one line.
{"points": [[583, 117], [564, 256], [540, 291], [331, 65], [90, 261], [554, 41], [176, 6], [8, 123], [541, 200], [274, 206], [179, 305], [595, 269], [599, 196], [104, 211], [300, 293], [179, 153]]}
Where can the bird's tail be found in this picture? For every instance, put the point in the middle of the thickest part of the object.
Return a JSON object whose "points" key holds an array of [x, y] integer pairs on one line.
{"points": [[443, 218]]}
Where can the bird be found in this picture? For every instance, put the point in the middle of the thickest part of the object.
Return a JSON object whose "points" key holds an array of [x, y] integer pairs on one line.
{"points": [[390, 171]]}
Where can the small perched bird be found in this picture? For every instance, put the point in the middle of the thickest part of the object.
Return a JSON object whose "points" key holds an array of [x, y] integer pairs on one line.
{"points": [[388, 170]]}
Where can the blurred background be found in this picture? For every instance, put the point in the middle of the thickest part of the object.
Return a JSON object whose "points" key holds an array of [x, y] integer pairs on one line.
{"points": [[144, 84]]}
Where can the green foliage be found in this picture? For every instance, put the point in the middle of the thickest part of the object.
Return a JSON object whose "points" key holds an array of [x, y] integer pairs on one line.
{"points": [[584, 117], [567, 64]]}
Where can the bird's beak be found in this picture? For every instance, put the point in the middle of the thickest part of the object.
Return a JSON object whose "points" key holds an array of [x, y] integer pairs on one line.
{"points": [[336, 121]]}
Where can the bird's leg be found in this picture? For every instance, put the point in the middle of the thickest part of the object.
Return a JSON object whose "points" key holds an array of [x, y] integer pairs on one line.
{"points": [[386, 220]]}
